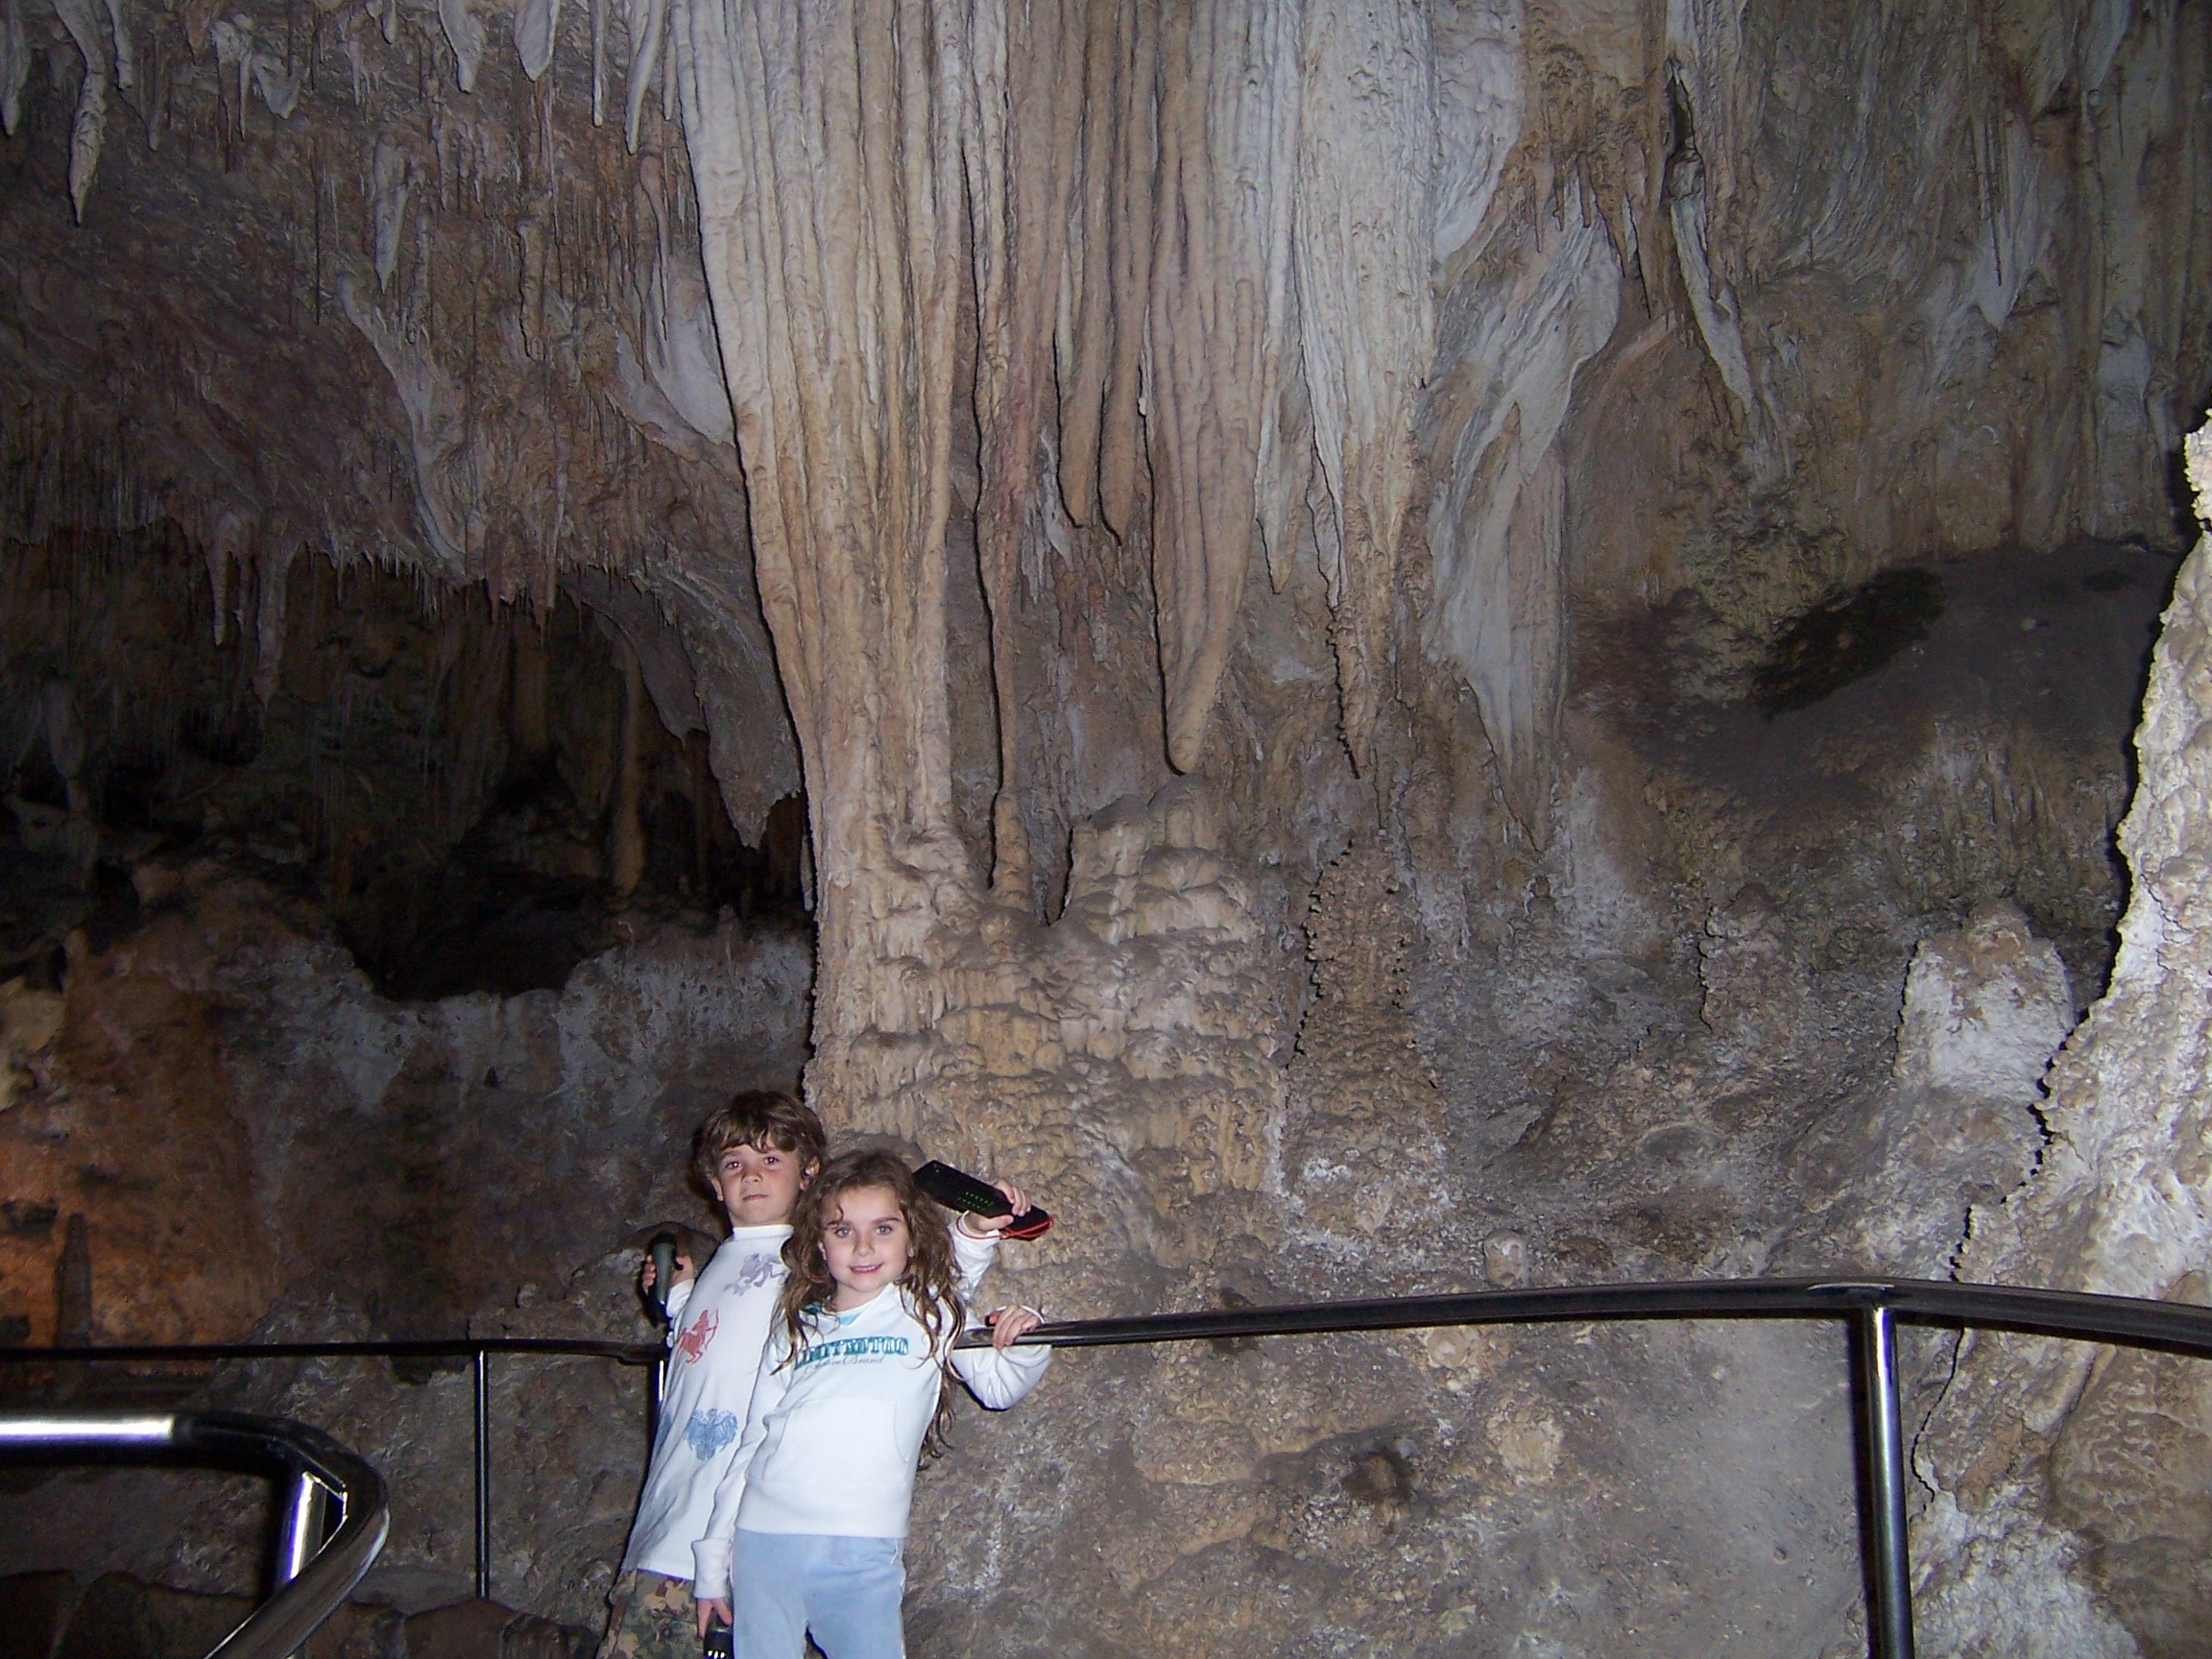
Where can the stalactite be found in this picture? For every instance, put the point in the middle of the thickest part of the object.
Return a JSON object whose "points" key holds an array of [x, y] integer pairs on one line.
{"points": [[272, 570], [598, 63], [1228, 133], [1499, 580], [1024, 122], [537, 31], [1108, 268], [15, 64], [824, 148], [126, 58], [647, 18], [465, 34], [626, 831], [1364, 233], [88, 133]]}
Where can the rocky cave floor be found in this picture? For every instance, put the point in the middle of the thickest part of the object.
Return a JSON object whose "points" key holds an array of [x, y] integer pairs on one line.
{"points": [[1697, 1055]]}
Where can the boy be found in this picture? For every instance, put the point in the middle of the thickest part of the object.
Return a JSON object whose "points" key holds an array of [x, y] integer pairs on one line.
{"points": [[755, 1154]]}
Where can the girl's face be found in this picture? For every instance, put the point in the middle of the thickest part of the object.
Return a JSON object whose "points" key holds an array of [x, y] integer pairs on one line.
{"points": [[864, 1240]]}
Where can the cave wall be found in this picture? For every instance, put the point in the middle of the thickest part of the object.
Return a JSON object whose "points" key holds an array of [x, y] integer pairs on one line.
{"points": [[223, 1113]]}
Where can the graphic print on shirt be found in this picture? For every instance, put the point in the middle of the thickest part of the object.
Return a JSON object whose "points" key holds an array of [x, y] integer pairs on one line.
{"points": [[757, 1270], [709, 1431], [692, 1344], [850, 1350]]}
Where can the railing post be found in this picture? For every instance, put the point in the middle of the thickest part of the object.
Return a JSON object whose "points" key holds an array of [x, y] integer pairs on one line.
{"points": [[1881, 1449], [483, 1480], [300, 1525]]}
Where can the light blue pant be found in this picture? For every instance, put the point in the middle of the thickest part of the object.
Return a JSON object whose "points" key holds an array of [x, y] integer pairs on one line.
{"points": [[844, 1591]]}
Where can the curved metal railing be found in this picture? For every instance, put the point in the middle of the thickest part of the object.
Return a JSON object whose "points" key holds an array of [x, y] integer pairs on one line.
{"points": [[315, 1573], [1873, 1307], [476, 1349]]}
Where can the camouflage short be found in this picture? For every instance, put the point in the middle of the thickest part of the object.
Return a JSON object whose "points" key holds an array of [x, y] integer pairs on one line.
{"points": [[650, 1617]]}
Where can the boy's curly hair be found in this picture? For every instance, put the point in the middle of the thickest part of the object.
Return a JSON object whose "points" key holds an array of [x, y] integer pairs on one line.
{"points": [[930, 1282], [760, 1117]]}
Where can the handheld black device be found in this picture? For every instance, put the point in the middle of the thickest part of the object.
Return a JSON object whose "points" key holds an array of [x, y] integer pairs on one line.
{"points": [[663, 1271], [716, 1644], [958, 1189]]}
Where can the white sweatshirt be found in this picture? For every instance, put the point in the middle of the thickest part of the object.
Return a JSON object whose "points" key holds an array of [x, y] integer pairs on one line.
{"points": [[831, 1440], [718, 1327]]}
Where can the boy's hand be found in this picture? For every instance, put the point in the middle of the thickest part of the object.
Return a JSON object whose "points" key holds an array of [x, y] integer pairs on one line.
{"points": [[983, 1226], [682, 1272], [710, 1609], [1009, 1323]]}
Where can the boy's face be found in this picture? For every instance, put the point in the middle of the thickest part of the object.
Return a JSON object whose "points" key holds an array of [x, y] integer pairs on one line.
{"points": [[758, 1185]]}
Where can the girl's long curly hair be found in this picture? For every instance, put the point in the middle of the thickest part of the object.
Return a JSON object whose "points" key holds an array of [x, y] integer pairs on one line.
{"points": [[930, 1282]]}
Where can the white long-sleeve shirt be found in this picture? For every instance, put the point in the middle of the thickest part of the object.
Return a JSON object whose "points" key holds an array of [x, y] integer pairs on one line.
{"points": [[718, 1327], [832, 1438]]}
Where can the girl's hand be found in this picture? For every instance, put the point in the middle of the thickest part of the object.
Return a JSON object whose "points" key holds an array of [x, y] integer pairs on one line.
{"points": [[710, 1609], [1009, 1323], [682, 1272], [983, 1226]]}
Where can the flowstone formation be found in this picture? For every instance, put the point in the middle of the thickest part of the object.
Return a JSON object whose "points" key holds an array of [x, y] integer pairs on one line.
{"points": [[2063, 1516], [1424, 645]]}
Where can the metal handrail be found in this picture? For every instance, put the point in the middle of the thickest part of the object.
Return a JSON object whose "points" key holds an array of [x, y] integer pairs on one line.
{"points": [[473, 1349], [315, 1574], [1873, 1304], [442, 1348], [2125, 1320]]}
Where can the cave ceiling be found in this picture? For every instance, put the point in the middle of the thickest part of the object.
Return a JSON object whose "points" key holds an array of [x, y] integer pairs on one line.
{"points": [[971, 387]]}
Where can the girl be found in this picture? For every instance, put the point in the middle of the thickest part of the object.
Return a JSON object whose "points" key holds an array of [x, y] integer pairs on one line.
{"points": [[810, 1524]]}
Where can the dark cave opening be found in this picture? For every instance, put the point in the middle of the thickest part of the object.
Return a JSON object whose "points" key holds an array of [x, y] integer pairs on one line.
{"points": [[1848, 637], [470, 797]]}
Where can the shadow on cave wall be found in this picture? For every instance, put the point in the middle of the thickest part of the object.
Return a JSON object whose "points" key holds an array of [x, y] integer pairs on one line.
{"points": [[440, 779]]}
